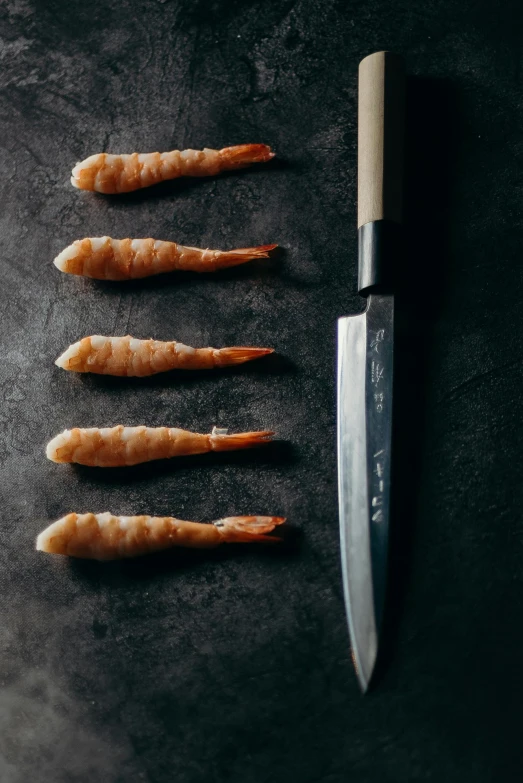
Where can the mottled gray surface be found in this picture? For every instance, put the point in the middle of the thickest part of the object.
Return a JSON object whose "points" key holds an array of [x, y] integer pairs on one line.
{"points": [[235, 666]]}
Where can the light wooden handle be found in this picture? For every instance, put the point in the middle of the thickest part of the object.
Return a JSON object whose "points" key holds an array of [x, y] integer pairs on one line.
{"points": [[381, 108]]}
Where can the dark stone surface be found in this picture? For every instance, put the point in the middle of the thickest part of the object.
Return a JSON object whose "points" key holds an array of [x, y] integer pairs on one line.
{"points": [[235, 666]]}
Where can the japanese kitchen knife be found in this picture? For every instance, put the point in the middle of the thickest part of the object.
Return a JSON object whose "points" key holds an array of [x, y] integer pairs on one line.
{"points": [[365, 359]]}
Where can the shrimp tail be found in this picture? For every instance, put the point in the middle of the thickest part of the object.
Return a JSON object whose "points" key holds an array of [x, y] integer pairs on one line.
{"points": [[228, 356], [235, 530], [229, 258], [244, 154], [220, 441]]}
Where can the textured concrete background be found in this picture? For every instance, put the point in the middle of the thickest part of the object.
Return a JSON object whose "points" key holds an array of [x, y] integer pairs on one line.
{"points": [[234, 666]]}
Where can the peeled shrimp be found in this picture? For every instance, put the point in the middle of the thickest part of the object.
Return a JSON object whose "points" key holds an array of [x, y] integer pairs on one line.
{"points": [[129, 357], [106, 537], [119, 446], [104, 258], [122, 173]]}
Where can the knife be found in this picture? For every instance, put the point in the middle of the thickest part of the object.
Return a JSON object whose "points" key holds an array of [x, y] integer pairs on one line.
{"points": [[365, 360]]}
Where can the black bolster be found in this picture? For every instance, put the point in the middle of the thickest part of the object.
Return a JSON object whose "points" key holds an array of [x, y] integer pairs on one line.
{"points": [[379, 247]]}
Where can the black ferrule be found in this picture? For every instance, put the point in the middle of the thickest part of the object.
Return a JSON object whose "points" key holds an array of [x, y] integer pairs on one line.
{"points": [[379, 247]]}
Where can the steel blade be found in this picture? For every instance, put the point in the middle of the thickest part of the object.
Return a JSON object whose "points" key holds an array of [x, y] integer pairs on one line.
{"points": [[365, 367]]}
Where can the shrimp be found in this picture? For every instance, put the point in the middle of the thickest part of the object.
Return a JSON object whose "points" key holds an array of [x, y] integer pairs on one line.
{"points": [[129, 357], [119, 446], [103, 258], [122, 173], [107, 537]]}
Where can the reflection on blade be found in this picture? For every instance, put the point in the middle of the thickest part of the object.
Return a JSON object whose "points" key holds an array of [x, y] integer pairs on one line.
{"points": [[365, 357]]}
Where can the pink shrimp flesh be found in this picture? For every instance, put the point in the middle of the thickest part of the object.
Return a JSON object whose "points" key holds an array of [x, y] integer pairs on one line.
{"points": [[126, 356], [107, 173], [121, 446], [103, 258], [108, 537]]}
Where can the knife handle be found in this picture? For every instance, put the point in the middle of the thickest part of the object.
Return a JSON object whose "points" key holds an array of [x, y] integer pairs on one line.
{"points": [[381, 110]]}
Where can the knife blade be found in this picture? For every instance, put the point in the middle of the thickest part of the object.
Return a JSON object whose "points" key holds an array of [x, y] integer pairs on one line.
{"points": [[365, 360]]}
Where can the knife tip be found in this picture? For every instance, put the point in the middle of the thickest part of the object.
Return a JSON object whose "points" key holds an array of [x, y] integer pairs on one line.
{"points": [[364, 671], [363, 683]]}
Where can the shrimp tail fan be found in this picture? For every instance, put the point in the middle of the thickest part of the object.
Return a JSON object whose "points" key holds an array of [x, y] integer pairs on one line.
{"points": [[237, 530], [245, 154], [220, 441], [229, 258]]}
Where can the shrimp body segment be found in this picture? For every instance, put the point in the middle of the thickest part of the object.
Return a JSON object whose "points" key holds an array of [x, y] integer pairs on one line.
{"points": [[126, 356], [103, 258], [120, 446], [107, 173], [108, 537]]}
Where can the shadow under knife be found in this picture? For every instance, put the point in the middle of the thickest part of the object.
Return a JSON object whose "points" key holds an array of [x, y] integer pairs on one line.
{"points": [[432, 136]]}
